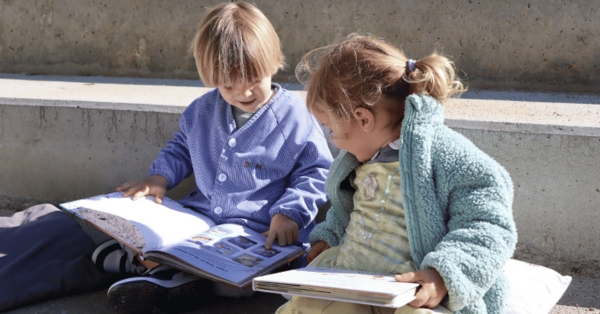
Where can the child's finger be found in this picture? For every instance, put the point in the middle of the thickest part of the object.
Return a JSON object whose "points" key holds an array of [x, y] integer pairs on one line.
{"points": [[407, 277], [126, 186], [290, 237], [316, 250], [133, 189], [432, 289], [122, 187], [421, 298], [138, 194], [311, 255], [158, 198], [270, 238], [128, 191], [282, 239]]}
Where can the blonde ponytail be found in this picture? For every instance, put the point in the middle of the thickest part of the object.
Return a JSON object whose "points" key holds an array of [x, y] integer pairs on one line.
{"points": [[435, 76], [361, 70]]}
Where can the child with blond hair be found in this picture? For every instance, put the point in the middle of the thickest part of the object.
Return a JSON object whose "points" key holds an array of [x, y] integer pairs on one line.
{"points": [[409, 196], [257, 157], [253, 147]]}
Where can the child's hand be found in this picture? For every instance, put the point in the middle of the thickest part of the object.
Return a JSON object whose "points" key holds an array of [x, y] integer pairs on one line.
{"points": [[155, 185], [284, 229], [432, 289], [316, 250]]}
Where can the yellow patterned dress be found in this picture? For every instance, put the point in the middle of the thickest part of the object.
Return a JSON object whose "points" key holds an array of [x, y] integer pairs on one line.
{"points": [[376, 241]]}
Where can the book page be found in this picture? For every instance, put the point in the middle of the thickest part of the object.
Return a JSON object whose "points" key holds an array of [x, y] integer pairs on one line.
{"points": [[117, 227], [142, 224], [229, 252]]}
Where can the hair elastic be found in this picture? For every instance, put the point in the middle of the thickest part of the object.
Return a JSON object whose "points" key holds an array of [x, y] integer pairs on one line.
{"points": [[411, 65]]}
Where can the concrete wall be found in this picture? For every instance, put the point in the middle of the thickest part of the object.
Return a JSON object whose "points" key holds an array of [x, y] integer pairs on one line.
{"points": [[557, 192], [547, 45], [62, 140], [69, 138], [550, 146], [53, 152]]}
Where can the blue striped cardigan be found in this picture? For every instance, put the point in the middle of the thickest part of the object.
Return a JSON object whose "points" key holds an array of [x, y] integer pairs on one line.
{"points": [[276, 162]]}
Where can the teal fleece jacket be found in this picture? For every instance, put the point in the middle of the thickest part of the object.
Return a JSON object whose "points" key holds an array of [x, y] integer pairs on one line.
{"points": [[458, 208]]}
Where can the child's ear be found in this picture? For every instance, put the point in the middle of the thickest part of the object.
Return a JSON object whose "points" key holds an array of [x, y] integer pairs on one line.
{"points": [[365, 118]]}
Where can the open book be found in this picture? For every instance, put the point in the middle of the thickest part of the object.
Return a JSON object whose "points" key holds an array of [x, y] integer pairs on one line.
{"points": [[339, 284], [174, 235]]}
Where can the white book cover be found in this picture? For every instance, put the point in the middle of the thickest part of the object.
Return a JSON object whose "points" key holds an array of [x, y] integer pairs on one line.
{"points": [[339, 284]]}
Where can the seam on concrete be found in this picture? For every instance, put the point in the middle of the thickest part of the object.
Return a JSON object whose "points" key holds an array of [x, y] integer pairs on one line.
{"points": [[527, 128], [90, 105]]}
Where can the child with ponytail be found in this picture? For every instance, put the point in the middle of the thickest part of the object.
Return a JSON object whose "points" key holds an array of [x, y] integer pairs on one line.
{"points": [[409, 196]]}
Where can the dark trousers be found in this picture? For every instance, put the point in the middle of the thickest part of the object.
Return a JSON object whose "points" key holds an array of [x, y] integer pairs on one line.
{"points": [[44, 254]]}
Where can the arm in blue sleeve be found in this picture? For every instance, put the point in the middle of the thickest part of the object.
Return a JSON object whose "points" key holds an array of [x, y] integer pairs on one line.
{"points": [[174, 161], [306, 190]]}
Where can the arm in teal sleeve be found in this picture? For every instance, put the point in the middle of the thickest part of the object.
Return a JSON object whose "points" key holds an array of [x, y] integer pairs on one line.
{"points": [[331, 230]]}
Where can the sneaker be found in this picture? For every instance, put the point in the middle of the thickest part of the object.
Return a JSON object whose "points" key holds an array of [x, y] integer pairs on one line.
{"points": [[112, 257], [160, 290]]}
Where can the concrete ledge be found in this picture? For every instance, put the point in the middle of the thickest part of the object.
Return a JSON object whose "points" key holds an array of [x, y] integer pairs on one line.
{"points": [[63, 138], [538, 113], [164, 95]]}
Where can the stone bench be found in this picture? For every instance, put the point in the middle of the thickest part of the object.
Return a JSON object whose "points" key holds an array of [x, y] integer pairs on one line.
{"points": [[64, 138]]}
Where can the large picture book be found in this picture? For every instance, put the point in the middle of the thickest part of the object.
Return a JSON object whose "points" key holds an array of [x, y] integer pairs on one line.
{"points": [[180, 237], [339, 284]]}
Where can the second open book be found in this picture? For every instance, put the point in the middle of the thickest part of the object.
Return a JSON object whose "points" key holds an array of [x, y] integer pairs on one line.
{"points": [[174, 235]]}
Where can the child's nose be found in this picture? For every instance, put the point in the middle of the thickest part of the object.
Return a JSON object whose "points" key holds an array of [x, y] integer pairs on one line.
{"points": [[245, 91]]}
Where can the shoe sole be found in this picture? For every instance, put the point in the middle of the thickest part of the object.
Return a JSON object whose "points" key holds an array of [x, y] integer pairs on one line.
{"points": [[152, 295], [162, 283]]}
